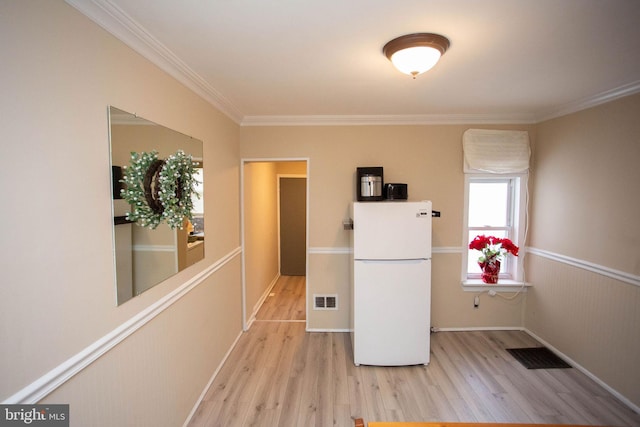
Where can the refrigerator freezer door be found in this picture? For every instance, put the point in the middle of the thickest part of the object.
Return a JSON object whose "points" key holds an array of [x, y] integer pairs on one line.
{"points": [[392, 319], [392, 230]]}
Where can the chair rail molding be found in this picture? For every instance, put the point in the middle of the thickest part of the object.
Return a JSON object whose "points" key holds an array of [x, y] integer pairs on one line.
{"points": [[53, 379], [622, 276]]}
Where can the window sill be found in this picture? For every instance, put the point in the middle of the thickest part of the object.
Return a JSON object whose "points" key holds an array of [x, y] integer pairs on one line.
{"points": [[503, 285]]}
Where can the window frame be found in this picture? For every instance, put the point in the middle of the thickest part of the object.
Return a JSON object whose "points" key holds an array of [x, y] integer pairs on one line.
{"points": [[199, 190], [516, 226]]}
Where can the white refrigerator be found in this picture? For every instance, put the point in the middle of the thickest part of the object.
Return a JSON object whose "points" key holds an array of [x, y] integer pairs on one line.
{"points": [[391, 293]]}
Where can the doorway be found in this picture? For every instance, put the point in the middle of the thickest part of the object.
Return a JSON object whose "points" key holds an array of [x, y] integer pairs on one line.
{"points": [[274, 230], [292, 206]]}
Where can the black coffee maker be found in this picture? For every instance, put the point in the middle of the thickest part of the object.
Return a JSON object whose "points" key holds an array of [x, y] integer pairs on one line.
{"points": [[369, 184]]}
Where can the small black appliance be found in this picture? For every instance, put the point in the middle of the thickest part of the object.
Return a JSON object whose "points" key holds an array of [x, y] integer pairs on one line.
{"points": [[395, 191]]}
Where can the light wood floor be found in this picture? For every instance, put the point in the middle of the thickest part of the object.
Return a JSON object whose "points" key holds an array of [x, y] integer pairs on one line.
{"points": [[279, 375], [287, 300]]}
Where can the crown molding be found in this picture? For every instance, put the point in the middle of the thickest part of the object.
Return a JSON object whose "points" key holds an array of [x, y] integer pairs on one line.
{"points": [[589, 102], [368, 120], [446, 119], [113, 19]]}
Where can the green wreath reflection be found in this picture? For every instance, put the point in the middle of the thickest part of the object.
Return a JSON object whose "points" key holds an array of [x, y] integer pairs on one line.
{"points": [[159, 190]]}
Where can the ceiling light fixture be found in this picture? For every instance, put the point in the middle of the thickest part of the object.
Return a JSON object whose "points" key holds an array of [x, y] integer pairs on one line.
{"points": [[413, 54]]}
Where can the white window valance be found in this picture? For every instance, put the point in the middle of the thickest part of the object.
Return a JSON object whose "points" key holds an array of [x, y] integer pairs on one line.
{"points": [[496, 151]]}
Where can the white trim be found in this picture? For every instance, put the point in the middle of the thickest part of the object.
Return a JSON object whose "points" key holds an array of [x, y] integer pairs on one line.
{"points": [[337, 330], [560, 354], [275, 160], [382, 120], [53, 379], [278, 321], [113, 19], [592, 101], [479, 328], [445, 119], [330, 250], [210, 382], [247, 325], [503, 285], [126, 29], [582, 369], [153, 248], [586, 265], [243, 161], [262, 299], [519, 194], [447, 250], [341, 250], [243, 278]]}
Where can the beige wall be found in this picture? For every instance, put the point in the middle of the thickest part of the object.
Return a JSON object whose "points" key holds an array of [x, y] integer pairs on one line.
{"points": [[60, 72], [585, 206], [429, 159], [260, 233], [586, 171], [127, 138]]}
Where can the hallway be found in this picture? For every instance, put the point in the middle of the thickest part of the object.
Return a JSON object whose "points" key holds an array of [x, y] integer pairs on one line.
{"points": [[286, 302]]}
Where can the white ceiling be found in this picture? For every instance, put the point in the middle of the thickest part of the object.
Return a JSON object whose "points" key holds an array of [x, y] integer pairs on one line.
{"points": [[321, 61]]}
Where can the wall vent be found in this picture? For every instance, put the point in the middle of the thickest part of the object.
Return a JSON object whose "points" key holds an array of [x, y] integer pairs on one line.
{"points": [[325, 302]]}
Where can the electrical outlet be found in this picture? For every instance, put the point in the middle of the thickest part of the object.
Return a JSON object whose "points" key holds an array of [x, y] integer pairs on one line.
{"points": [[476, 301]]}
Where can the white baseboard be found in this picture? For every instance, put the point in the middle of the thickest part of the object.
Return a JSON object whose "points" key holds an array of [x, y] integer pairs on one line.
{"points": [[213, 377], [345, 250], [339, 330], [560, 354], [261, 300], [582, 369], [563, 356], [482, 328], [279, 321]]}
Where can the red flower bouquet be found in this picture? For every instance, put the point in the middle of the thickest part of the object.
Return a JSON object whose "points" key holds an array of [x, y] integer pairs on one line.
{"points": [[493, 251]]}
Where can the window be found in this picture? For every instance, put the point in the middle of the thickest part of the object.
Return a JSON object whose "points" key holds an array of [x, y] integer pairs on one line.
{"points": [[495, 166], [198, 196], [494, 206]]}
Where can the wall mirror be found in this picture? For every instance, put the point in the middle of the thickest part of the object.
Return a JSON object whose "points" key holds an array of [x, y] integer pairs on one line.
{"points": [[143, 256]]}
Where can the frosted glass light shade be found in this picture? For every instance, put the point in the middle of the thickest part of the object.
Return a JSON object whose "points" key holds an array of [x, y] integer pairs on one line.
{"points": [[413, 54], [415, 60]]}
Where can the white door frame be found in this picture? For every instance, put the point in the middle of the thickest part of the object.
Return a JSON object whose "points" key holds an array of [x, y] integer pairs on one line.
{"points": [[244, 161]]}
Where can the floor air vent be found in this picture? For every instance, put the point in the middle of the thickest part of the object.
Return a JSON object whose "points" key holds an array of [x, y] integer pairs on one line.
{"points": [[325, 302]]}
